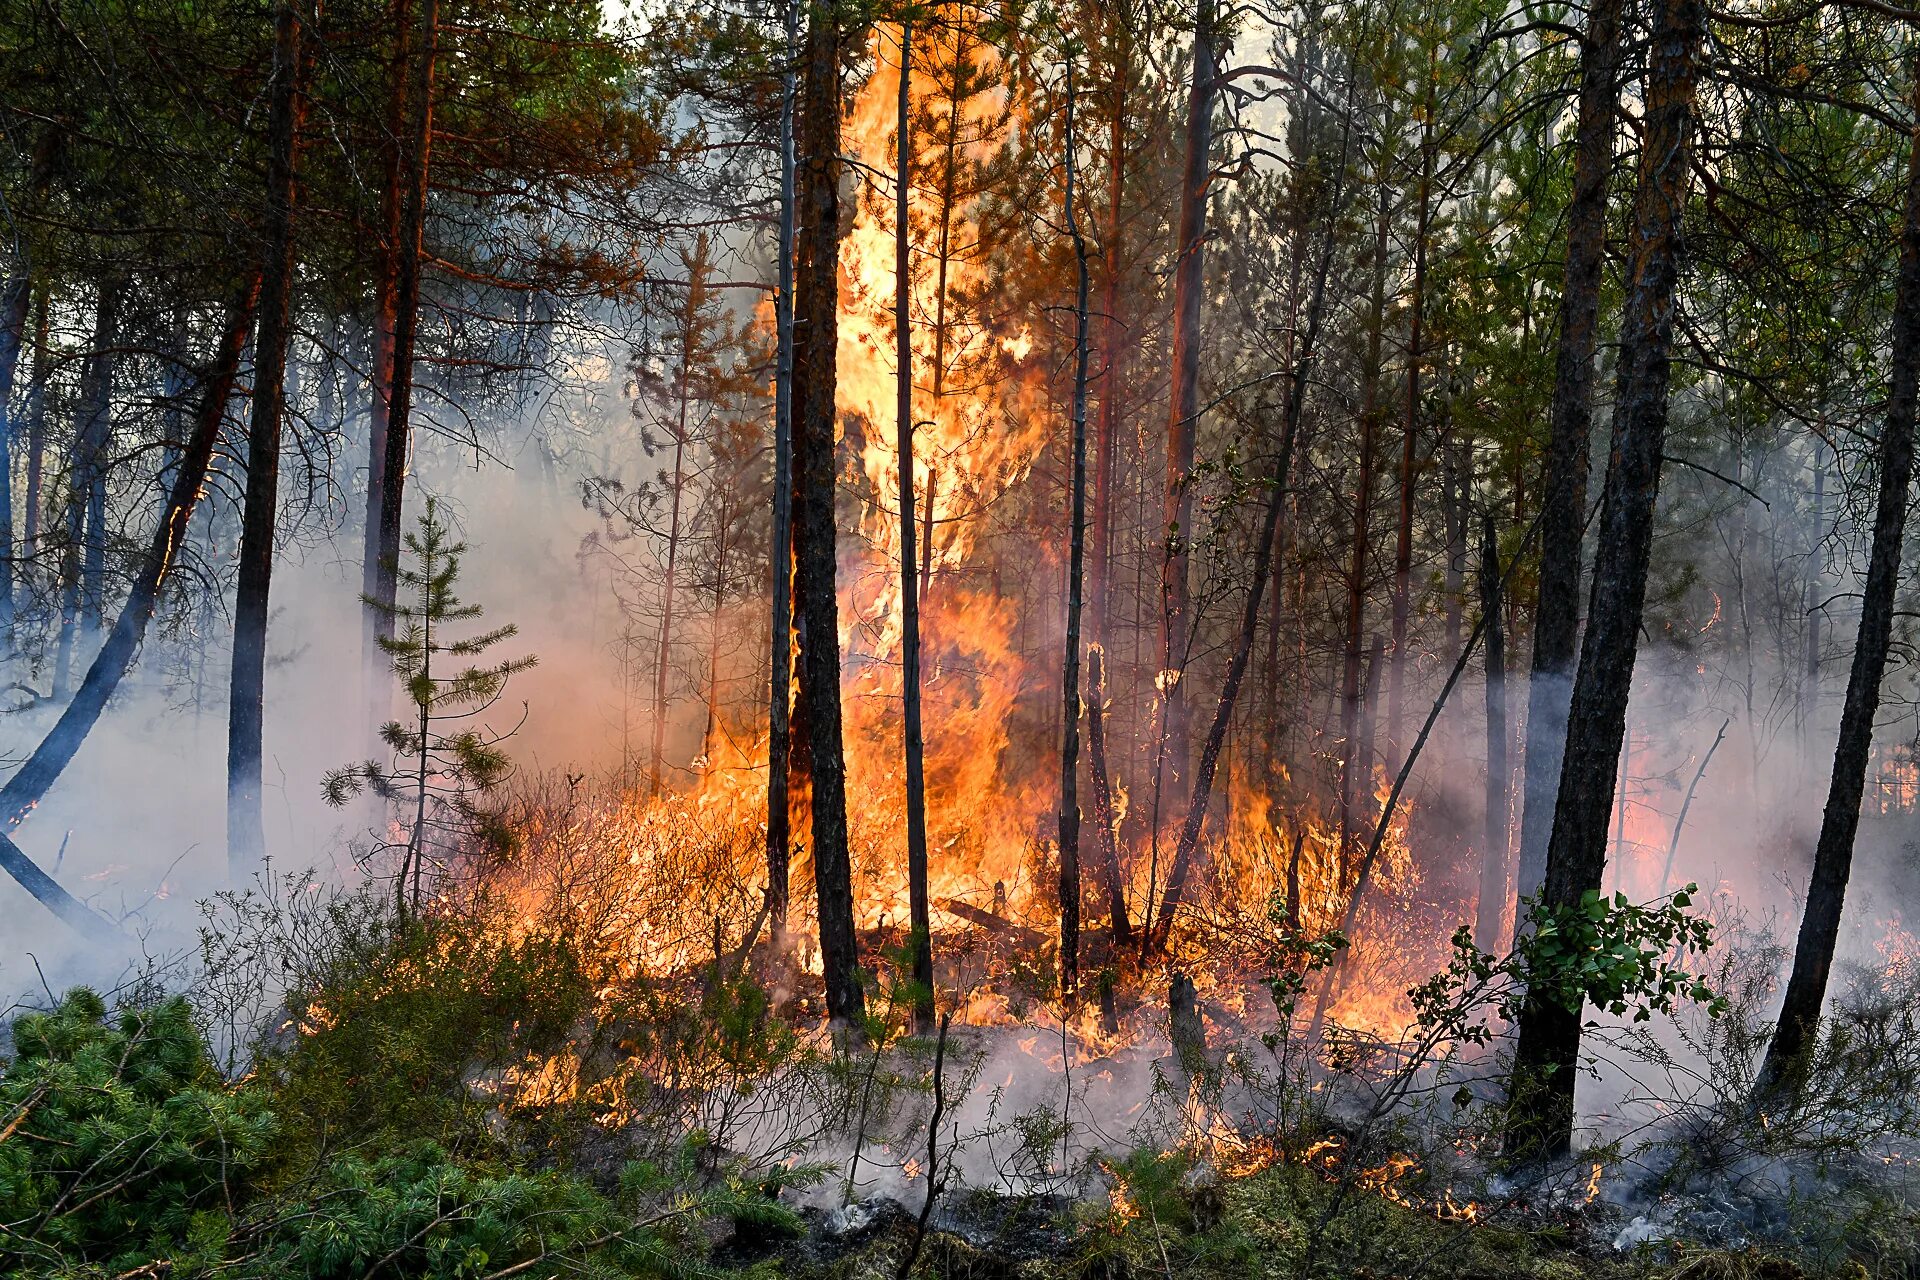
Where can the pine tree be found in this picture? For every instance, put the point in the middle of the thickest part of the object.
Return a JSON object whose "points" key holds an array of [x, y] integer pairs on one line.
{"points": [[445, 763]]}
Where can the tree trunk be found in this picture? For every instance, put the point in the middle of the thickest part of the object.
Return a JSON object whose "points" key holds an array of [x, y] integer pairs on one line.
{"points": [[1076, 558], [246, 835], [663, 651], [816, 327], [1100, 550], [1556, 628], [1410, 422], [1546, 1059], [1264, 567], [43, 768], [380, 374], [1795, 1037], [93, 434], [1189, 281], [417, 168], [14, 296], [36, 425], [1489, 930], [1350, 708], [780, 641], [919, 906]]}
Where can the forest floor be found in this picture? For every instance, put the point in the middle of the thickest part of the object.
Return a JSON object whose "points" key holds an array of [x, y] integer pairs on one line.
{"points": [[1279, 1222]]}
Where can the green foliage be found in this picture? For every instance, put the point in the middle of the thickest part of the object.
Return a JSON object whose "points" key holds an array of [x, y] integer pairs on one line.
{"points": [[409, 1014], [122, 1152], [119, 1142], [1618, 955]]}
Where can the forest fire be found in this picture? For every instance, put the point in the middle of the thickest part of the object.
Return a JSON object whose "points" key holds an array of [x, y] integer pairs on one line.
{"points": [[1116, 638]]}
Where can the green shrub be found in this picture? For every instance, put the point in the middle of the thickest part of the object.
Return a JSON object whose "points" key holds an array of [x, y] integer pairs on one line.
{"points": [[120, 1143]]}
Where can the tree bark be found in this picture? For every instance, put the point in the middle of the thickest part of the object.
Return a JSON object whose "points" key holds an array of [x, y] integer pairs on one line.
{"points": [[1264, 568], [14, 296], [36, 425], [418, 159], [386, 306], [1076, 559], [246, 834], [1350, 700], [663, 651], [780, 641], [1556, 628], [1410, 421], [816, 327], [920, 908], [1100, 549], [93, 434], [1546, 1059], [1795, 1035], [1189, 281], [1489, 930]]}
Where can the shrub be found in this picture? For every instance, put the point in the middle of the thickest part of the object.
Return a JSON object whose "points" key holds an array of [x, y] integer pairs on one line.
{"points": [[120, 1143]]}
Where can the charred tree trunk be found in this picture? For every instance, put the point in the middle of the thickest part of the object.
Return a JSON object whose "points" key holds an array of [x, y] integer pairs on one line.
{"points": [[1189, 281], [246, 835], [816, 328], [1556, 627], [1546, 1059], [1795, 1036], [1489, 929], [43, 768], [1076, 553], [780, 641], [1100, 550], [920, 909]]}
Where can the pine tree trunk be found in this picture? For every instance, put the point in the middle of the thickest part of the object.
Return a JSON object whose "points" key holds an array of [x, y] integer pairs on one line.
{"points": [[36, 426], [1189, 281], [246, 835], [1264, 568], [14, 296], [1069, 816], [816, 327], [1795, 1035], [1489, 930], [920, 908], [417, 169], [1546, 1059], [93, 434], [1100, 550], [780, 640], [663, 651], [1556, 625], [386, 306], [1350, 700], [1410, 422]]}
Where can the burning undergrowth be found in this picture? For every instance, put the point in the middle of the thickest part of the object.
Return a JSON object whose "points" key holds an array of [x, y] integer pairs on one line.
{"points": [[611, 991]]}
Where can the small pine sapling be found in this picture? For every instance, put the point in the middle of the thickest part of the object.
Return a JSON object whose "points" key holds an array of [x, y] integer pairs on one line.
{"points": [[445, 762]]}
